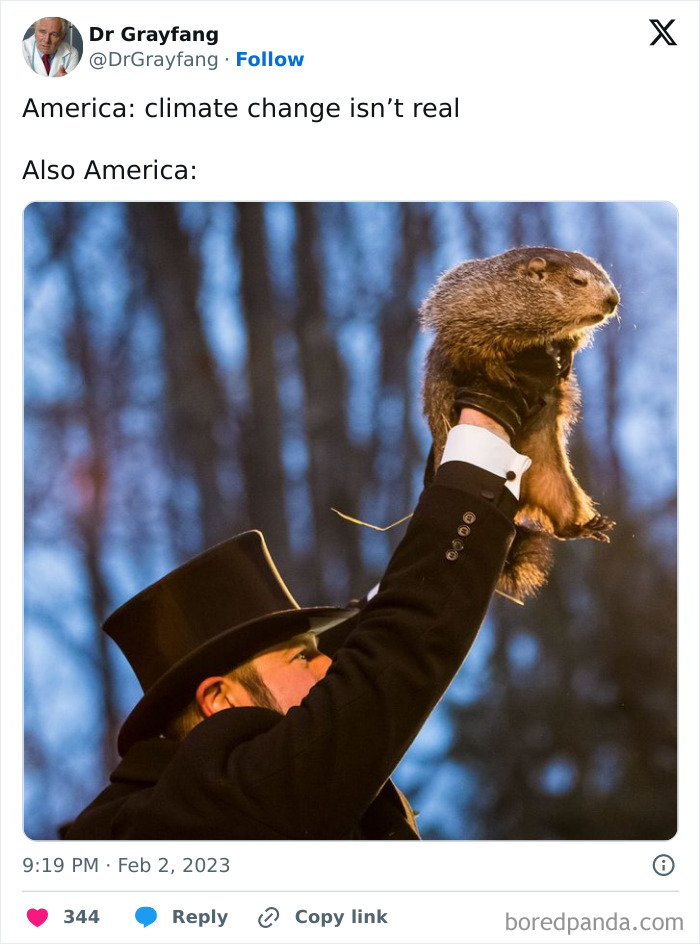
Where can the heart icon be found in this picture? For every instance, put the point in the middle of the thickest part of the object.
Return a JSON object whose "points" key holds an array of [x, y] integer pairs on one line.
{"points": [[37, 916]]}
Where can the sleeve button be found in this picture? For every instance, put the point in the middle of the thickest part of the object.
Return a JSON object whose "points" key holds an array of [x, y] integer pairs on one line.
{"points": [[452, 555], [463, 531], [469, 517], [458, 545]]}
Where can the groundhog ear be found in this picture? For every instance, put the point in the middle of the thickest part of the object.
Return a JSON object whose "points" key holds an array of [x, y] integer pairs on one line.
{"points": [[536, 268]]}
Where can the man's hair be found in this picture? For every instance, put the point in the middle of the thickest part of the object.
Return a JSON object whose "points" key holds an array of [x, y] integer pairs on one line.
{"points": [[65, 24], [246, 675]]}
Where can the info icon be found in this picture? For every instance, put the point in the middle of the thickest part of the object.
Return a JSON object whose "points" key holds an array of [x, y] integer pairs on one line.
{"points": [[663, 865]]}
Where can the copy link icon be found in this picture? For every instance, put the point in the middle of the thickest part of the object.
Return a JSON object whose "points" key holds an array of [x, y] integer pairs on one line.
{"points": [[268, 917]]}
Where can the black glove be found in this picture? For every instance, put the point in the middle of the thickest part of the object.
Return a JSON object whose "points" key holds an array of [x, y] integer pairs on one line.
{"points": [[537, 371]]}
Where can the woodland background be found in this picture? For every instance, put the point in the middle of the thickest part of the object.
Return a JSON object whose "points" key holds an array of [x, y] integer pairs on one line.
{"points": [[192, 371]]}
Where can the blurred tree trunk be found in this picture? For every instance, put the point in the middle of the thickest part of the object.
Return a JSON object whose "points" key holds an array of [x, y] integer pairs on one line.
{"points": [[101, 392], [531, 224], [476, 231], [608, 461], [91, 484], [197, 429], [262, 432], [395, 450], [336, 470]]}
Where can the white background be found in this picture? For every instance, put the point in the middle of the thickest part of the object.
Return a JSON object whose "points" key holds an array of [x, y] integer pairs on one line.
{"points": [[558, 101]]}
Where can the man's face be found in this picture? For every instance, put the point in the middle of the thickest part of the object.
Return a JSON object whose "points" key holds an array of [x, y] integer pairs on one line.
{"points": [[49, 35], [290, 670]]}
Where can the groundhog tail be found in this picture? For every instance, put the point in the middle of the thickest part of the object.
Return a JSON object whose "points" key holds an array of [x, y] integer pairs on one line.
{"points": [[527, 566]]}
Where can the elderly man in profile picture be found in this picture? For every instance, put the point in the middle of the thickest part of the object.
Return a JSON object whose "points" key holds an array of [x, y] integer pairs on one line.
{"points": [[46, 51]]}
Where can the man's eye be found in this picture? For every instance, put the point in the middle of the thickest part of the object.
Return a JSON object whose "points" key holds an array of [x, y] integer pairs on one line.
{"points": [[303, 655]]}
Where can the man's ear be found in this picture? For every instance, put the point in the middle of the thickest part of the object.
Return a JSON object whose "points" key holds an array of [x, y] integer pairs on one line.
{"points": [[217, 693], [211, 696]]}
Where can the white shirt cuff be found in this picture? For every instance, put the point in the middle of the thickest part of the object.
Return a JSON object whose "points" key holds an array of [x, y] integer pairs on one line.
{"points": [[481, 447]]}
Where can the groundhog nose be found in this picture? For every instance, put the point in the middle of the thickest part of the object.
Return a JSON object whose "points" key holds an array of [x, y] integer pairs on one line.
{"points": [[612, 300]]}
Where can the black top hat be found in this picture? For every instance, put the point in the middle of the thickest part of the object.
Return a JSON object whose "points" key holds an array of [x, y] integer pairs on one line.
{"points": [[206, 617]]}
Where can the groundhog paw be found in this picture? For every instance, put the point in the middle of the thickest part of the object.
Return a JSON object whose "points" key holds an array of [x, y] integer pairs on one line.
{"points": [[597, 528]]}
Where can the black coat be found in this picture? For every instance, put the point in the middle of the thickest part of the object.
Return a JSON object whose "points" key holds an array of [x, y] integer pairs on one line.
{"points": [[321, 771]]}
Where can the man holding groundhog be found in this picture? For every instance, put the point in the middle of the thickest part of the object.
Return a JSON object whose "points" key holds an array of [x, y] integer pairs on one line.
{"points": [[264, 720]]}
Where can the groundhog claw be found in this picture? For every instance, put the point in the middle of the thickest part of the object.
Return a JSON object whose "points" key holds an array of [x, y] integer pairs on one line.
{"points": [[596, 528]]}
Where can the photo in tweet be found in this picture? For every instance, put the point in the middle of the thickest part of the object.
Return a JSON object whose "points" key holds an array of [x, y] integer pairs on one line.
{"points": [[200, 374]]}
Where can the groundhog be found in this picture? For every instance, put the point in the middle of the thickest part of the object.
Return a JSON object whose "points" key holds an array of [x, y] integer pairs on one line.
{"points": [[485, 311]]}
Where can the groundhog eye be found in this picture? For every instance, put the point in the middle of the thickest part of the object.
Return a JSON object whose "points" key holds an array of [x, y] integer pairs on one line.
{"points": [[578, 281]]}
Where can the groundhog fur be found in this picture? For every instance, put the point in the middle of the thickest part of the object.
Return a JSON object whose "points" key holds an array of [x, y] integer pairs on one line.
{"points": [[483, 312]]}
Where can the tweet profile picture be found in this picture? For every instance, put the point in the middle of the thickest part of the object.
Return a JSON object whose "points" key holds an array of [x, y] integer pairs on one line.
{"points": [[52, 47]]}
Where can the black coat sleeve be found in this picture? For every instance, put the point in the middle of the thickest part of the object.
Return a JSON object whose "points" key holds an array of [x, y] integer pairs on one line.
{"points": [[312, 773]]}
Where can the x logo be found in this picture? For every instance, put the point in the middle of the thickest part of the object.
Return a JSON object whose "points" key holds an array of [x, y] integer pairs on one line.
{"points": [[663, 33]]}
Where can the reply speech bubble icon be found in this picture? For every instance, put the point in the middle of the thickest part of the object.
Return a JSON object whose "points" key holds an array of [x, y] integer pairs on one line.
{"points": [[146, 916]]}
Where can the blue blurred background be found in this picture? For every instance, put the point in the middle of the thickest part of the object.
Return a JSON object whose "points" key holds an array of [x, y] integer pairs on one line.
{"points": [[195, 370]]}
